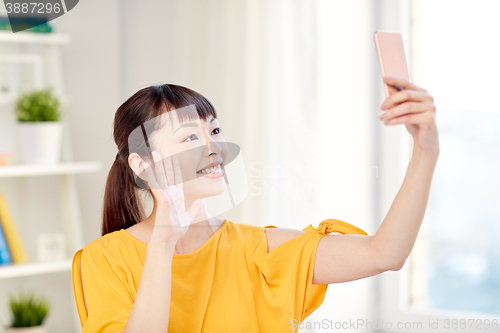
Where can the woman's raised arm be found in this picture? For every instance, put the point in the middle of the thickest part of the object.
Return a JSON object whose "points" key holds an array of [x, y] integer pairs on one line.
{"points": [[342, 258]]}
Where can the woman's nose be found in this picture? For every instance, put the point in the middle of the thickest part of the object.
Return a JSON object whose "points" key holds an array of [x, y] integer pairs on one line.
{"points": [[212, 147]]}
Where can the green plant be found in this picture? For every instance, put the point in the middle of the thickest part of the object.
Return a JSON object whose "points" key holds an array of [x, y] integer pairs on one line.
{"points": [[38, 105], [27, 311]]}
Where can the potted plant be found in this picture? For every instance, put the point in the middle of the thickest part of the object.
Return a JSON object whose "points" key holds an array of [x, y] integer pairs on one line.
{"points": [[39, 127], [28, 314]]}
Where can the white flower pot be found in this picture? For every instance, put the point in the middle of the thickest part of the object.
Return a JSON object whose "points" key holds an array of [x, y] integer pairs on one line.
{"points": [[40, 142], [33, 329]]}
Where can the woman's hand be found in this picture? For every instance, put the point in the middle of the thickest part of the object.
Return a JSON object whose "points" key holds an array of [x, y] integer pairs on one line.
{"points": [[415, 108], [171, 220]]}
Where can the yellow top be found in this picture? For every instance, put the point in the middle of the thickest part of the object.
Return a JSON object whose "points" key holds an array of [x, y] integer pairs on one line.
{"points": [[229, 284]]}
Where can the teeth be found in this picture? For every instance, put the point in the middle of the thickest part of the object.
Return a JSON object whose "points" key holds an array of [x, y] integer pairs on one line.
{"points": [[211, 170]]}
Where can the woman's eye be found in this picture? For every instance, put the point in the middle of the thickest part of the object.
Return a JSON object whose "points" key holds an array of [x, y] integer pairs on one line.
{"points": [[189, 138], [193, 136]]}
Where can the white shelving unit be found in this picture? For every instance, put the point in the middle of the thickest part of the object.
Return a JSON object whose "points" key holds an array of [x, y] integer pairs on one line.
{"points": [[65, 172], [45, 170], [34, 38], [36, 268]]}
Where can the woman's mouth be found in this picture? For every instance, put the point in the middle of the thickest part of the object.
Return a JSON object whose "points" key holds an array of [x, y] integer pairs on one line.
{"points": [[214, 172]]}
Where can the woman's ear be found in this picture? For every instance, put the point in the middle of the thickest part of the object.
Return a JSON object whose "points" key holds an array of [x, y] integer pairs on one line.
{"points": [[137, 164]]}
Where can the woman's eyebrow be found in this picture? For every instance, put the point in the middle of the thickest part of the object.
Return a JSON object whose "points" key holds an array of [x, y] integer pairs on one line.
{"points": [[191, 124]]}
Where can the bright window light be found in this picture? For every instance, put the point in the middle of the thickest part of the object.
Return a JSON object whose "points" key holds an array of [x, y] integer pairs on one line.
{"points": [[457, 258]]}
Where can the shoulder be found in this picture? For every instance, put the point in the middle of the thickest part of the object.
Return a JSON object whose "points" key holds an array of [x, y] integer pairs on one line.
{"points": [[249, 234], [243, 229], [242, 233], [110, 257], [104, 248], [277, 236]]}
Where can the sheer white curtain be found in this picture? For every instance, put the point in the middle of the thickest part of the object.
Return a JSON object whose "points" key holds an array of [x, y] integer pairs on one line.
{"points": [[323, 102]]}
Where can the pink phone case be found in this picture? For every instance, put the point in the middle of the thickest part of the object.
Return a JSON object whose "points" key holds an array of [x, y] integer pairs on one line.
{"points": [[391, 57]]}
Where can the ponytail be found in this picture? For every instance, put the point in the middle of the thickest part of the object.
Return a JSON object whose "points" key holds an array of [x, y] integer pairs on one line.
{"points": [[121, 207]]}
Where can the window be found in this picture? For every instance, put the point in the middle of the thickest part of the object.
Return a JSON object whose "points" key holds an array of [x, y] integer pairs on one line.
{"points": [[451, 281], [456, 261]]}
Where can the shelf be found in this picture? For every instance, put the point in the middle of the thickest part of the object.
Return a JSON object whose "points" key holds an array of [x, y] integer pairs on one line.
{"points": [[25, 170], [34, 268], [33, 37], [11, 101]]}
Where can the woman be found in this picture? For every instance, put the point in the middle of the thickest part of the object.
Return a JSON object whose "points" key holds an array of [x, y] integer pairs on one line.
{"points": [[183, 270]]}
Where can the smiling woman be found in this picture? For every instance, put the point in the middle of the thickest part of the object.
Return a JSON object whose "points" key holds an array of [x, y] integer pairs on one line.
{"points": [[181, 268]]}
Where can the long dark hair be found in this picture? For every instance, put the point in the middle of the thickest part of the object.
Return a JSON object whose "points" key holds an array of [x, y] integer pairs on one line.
{"points": [[122, 208]]}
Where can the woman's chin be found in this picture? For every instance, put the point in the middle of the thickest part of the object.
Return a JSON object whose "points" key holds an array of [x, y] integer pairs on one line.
{"points": [[212, 190], [206, 187]]}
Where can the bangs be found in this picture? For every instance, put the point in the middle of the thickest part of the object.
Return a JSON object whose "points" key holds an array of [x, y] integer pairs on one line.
{"points": [[172, 97]]}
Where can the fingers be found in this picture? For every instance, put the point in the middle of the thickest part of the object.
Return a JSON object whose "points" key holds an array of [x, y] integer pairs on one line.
{"points": [[172, 169], [157, 181], [159, 171], [403, 83], [424, 119], [152, 183], [194, 209], [177, 172], [405, 95], [167, 164], [406, 108]]}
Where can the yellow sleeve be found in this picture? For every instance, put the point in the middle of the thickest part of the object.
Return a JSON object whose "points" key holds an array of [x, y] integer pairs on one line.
{"points": [[287, 271], [108, 298]]}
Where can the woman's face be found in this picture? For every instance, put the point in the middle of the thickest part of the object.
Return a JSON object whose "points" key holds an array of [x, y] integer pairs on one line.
{"points": [[197, 144]]}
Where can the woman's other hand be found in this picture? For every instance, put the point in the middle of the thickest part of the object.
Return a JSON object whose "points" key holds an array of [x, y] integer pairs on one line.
{"points": [[172, 219], [415, 108]]}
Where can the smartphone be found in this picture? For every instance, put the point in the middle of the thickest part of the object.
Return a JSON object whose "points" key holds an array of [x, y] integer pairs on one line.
{"points": [[391, 57]]}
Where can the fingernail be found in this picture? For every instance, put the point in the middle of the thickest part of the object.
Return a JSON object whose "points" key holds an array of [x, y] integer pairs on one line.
{"points": [[383, 116]]}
